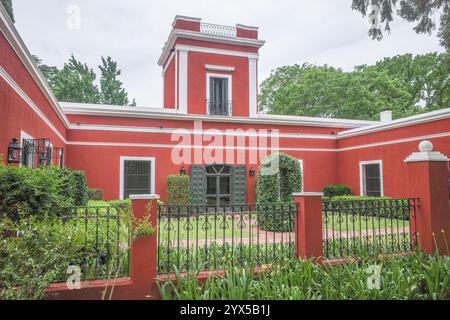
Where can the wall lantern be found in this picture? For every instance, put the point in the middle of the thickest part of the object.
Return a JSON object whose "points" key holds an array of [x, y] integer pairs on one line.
{"points": [[14, 151], [182, 171], [252, 172]]}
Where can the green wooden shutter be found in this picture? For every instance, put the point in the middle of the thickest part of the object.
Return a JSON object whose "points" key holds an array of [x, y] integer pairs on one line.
{"points": [[239, 190], [198, 184]]}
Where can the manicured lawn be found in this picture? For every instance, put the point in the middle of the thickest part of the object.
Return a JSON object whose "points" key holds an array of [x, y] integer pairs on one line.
{"points": [[346, 222]]}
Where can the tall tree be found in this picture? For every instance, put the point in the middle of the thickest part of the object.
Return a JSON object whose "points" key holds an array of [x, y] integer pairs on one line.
{"points": [[7, 4], [47, 71], [324, 91], [422, 12], [425, 77], [112, 91], [75, 83]]}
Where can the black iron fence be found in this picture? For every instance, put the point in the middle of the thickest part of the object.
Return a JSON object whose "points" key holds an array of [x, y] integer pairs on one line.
{"points": [[101, 239], [358, 227], [198, 238]]}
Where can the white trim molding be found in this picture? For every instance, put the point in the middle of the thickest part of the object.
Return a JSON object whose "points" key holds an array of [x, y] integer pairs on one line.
{"points": [[183, 81], [308, 194], [144, 197], [300, 162], [219, 68], [122, 171], [10, 81], [12, 36], [253, 87], [361, 180], [230, 89]]}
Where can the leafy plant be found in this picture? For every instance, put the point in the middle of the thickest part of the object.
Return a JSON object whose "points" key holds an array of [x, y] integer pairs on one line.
{"points": [[178, 190], [95, 194], [143, 227], [414, 276], [279, 176]]}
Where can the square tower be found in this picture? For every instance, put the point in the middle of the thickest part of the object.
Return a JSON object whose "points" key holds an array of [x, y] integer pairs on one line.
{"points": [[210, 69]]}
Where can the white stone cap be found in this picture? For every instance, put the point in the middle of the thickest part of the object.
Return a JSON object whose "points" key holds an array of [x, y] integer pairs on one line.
{"points": [[308, 194], [243, 26], [185, 18], [386, 116], [144, 197], [426, 153]]}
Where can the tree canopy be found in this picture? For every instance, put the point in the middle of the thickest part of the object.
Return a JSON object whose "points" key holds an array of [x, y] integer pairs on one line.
{"points": [[422, 12], [7, 4], [404, 84], [76, 82]]}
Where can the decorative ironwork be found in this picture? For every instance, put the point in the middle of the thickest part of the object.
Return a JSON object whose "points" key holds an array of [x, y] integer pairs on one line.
{"points": [[217, 29], [40, 152], [219, 107], [105, 236], [379, 226], [198, 237]]}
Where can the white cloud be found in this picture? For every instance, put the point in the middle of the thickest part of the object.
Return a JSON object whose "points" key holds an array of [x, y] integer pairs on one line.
{"points": [[134, 31]]}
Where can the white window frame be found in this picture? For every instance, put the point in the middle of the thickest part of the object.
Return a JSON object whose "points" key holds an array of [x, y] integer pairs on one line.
{"points": [[300, 162], [230, 89], [361, 180], [26, 136], [122, 171]]}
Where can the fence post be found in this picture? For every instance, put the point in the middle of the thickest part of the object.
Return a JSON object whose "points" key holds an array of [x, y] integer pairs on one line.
{"points": [[428, 181], [308, 225], [143, 269]]}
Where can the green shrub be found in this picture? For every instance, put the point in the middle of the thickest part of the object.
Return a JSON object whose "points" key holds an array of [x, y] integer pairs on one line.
{"points": [[29, 191], [337, 190], [279, 176], [178, 190], [381, 207], [80, 194], [95, 194], [43, 250], [37, 191]]}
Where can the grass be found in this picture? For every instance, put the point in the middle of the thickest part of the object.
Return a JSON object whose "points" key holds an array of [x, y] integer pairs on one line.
{"points": [[348, 222], [413, 277]]}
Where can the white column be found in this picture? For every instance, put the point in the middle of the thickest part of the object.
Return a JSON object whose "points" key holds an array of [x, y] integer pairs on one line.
{"points": [[183, 81], [253, 86]]}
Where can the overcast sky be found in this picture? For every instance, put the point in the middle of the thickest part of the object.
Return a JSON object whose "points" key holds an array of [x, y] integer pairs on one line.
{"points": [[133, 32]]}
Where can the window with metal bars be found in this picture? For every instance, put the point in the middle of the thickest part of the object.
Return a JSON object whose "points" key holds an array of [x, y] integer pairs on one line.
{"points": [[137, 177], [40, 152]]}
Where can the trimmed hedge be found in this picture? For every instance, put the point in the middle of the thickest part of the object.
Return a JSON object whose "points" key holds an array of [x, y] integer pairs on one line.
{"points": [[337, 190], [26, 191], [178, 190], [381, 207], [279, 176], [95, 194]]}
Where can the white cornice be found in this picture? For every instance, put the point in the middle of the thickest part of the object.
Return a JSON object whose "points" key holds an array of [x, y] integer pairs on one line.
{"points": [[16, 42], [219, 68], [171, 114], [403, 122], [194, 35]]}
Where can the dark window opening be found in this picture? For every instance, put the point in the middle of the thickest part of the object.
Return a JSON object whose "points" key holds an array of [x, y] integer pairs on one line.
{"points": [[218, 103], [137, 177], [372, 180]]}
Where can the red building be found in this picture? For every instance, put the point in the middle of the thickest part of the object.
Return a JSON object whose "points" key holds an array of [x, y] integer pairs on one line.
{"points": [[209, 125]]}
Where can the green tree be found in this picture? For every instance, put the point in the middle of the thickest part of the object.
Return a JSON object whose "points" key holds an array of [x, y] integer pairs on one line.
{"points": [[75, 83], [425, 77], [112, 91], [7, 4], [422, 12], [47, 71], [324, 91]]}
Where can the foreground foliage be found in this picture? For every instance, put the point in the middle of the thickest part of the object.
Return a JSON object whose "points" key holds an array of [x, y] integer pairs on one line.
{"points": [[408, 277]]}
